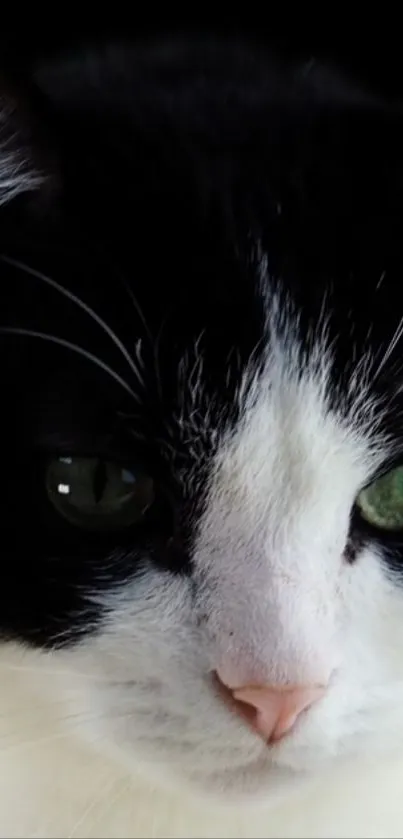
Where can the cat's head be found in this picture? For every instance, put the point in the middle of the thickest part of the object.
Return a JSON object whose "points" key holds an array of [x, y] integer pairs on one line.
{"points": [[201, 400]]}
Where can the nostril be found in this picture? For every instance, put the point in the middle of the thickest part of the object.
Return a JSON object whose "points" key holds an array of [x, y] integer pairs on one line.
{"points": [[271, 710], [237, 706]]}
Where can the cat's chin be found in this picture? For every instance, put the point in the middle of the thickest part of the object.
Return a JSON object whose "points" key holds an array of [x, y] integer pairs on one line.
{"points": [[261, 782], [243, 787], [250, 785]]}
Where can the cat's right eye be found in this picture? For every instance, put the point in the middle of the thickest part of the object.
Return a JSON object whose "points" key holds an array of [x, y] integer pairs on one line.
{"points": [[381, 503], [97, 494]]}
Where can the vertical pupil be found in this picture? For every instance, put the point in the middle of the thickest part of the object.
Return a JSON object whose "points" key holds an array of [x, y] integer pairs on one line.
{"points": [[99, 480]]}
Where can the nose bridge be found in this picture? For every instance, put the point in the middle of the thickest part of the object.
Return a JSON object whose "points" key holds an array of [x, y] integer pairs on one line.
{"points": [[272, 624], [270, 649], [271, 537], [266, 587]]}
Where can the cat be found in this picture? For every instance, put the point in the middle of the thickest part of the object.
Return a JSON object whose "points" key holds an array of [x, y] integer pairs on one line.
{"points": [[201, 321]]}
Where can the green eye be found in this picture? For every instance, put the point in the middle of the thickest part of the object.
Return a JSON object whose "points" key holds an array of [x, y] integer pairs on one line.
{"points": [[97, 494], [381, 504]]}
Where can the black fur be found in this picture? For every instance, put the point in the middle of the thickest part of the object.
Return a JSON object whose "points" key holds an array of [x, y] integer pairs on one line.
{"points": [[170, 167]]}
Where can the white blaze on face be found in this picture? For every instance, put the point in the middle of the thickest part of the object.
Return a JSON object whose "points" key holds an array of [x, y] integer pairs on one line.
{"points": [[269, 551]]}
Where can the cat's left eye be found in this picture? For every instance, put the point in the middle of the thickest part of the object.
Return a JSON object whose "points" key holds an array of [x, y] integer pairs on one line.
{"points": [[97, 494], [381, 503]]}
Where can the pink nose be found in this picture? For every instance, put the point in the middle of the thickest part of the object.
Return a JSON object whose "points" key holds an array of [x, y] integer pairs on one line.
{"points": [[271, 710]]}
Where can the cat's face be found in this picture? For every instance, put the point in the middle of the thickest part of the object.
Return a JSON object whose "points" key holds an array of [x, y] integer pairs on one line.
{"points": [[201, 388]]}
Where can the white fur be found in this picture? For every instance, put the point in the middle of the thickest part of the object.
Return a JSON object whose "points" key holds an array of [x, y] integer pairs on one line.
{"points": [[125, 735], [17, 172], [53, 785]]}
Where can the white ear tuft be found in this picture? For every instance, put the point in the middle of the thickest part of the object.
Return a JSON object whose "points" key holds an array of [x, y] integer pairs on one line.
{"points": [[20, 168], [16, 177]]}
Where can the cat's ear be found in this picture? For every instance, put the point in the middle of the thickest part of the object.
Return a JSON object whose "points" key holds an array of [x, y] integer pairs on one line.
{"points": [[28, 167]]}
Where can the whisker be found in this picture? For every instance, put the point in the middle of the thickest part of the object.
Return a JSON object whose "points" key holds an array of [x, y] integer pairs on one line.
{"points": [[76, 719], [30, 333], [36, 710], [72, 719], [139, 311], [392, 345], [77, 300], [156, 355], [99, 799], [18, 747], [36, 714]]}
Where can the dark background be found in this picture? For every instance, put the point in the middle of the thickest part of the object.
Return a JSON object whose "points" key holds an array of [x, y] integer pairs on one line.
{"points": [[370, 47]]}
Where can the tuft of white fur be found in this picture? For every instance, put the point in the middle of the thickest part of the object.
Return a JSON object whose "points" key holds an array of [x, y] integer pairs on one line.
{"points": [[125, 734], [17, 171]]}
